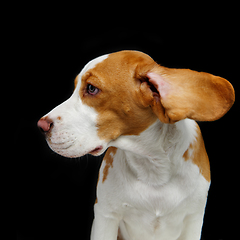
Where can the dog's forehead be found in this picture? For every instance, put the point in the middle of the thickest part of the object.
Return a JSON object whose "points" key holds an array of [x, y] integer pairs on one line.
{"points": [[88, 66], [118, 63], [93, 63]]}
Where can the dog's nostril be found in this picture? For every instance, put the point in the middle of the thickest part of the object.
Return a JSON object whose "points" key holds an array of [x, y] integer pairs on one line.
{"points": [[45, 124], [41, 129]]}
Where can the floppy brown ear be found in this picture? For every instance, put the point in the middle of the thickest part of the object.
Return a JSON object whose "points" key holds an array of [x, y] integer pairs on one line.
{"points": [[184, 93]]}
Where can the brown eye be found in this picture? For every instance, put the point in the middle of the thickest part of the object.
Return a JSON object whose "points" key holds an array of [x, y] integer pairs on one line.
{"points": [[92, 90]]}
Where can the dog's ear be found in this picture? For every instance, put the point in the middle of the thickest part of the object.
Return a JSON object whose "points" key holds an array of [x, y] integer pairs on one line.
{"points": [[176, 94]]}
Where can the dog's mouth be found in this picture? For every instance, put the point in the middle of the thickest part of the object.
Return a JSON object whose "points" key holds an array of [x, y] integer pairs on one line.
{"points": [[66, 151], [96, 150]]}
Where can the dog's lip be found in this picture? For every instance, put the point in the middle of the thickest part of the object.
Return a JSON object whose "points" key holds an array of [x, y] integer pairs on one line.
{"points": [[96, 150]]}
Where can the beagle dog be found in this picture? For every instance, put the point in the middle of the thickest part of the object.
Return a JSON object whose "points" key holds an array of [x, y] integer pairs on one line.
{"points": [[154, 179]]}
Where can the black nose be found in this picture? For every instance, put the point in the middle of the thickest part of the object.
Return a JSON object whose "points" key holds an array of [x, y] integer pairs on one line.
{"points": [[45, 125]]}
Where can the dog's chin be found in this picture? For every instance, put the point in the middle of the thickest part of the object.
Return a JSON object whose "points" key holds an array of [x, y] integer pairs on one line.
{"points": [[65, 152], [72, 152]]}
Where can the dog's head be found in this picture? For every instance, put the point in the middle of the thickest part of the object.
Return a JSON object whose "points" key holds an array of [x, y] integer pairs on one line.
{"points": [[124, 93]]}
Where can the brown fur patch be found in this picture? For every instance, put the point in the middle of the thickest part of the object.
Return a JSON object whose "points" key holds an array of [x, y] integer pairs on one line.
{"points": [[199, 156], [128, 104], [108, 158], [119, 101]]}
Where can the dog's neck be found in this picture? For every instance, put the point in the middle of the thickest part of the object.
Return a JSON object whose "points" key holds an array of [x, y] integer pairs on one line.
{"points": [[153, 156]]}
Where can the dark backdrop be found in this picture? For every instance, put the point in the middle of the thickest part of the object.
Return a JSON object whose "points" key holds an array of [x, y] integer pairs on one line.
{"points": [[55, 195]]}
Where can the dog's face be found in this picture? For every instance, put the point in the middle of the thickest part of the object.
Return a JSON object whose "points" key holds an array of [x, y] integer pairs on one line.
{"points": [[124, 93], [106, 103]]}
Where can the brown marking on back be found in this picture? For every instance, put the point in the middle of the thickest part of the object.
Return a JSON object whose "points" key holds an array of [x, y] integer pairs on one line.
{"points": [[120, 100], [199, 155], [108, 158]]}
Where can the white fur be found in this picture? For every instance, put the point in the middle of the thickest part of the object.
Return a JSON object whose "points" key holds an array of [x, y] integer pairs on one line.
{"points": [[151, 192], [75, 133]]}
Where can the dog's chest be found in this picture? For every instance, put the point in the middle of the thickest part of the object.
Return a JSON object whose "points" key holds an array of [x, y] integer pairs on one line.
{"points": [[157, 210], [149, 213], [150, 224], [121, 184]]}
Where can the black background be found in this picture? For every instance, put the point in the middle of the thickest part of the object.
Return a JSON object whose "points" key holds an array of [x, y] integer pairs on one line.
{"points": [[48, 46]]}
